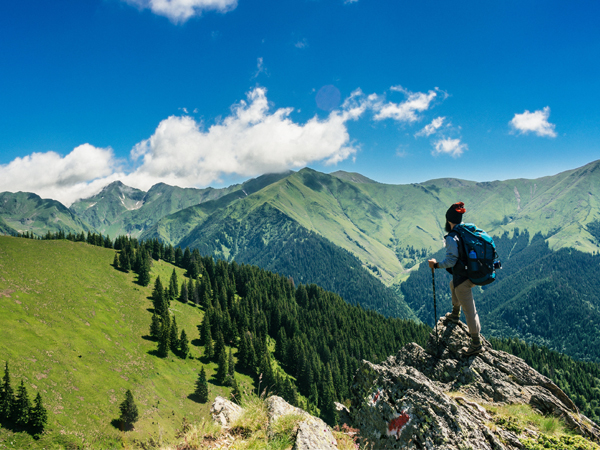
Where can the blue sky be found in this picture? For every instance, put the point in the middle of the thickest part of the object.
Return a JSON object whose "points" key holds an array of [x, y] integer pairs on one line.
{"points": [[212, 92]]}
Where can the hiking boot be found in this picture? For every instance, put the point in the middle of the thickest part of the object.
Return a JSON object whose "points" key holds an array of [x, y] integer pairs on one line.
{"points": [[475, 347], [454, 316], [450, 317]]}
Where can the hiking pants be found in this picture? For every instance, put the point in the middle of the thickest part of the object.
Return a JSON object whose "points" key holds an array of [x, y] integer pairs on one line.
{"points": [[463, 297]]}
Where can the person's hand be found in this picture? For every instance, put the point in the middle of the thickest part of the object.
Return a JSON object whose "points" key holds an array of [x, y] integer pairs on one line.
{"points": [[432, 263]]}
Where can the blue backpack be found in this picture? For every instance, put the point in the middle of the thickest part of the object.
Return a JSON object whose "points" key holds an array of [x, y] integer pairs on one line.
{"points": [[480, 253]]}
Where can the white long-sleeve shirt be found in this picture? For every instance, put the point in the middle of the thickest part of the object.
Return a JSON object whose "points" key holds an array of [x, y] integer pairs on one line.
{"points": [[451, 252]]}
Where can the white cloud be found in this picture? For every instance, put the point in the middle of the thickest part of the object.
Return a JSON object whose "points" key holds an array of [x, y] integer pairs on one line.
{"points": [[179, 11], [260, 68], [406, 111], [534, 122], [251, 141], [303, 43], [349, 1], [81, 173], [448, 146], [431, 128]]}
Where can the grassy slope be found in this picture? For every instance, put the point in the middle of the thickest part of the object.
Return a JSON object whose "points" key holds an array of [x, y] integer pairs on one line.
{"points": [[23, 211], [74, 326], [175, 227]]}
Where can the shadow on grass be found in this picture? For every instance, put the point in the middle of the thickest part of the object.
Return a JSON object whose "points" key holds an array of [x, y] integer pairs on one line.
{"points": [[196, 342], [195, 398], [150, 310], [120, 425], [15, 428], [154, 353], [149, 338], [204, 360]]}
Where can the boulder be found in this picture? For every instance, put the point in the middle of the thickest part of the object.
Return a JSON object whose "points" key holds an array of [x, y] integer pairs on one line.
{"points": [[432, 398], [311, 434], [224, 412]]}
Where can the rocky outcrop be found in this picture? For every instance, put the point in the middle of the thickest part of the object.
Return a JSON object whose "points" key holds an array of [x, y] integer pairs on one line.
{"points": [[311, 433], [434, 398], [225, 412]]}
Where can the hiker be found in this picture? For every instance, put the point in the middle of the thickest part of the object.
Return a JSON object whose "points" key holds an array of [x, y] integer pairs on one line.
{"points": [[460, 286]]}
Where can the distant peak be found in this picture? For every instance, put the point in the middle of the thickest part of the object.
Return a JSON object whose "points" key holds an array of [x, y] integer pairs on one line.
{"points": [[114, 184], [352, 176]]}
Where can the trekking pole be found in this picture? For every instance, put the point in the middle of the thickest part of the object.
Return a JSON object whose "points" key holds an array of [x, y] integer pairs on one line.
{"points": [[437, 338]]}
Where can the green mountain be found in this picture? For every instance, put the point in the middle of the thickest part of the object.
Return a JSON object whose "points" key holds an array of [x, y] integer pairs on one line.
{"points": [[348, 233], [391, 228], [21, 212], [122, 210]]}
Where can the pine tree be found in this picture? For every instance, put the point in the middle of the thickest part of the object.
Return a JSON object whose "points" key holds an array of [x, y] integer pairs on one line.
{"points": [[173, 286], [21, 407], [174, 336], [163, 340], [281, 345], [158, 298], [144, 270], [193, 270], [183, 297], [219, 345], [289, 392], [184, 347], [155, 326], [39, 416], [230, 369], [313, 397], [222, 368], [209, 349], [124, 262], [205, 300], [167, 297], [202, 387], [178, 256], [251, 358], [205, 330], [129, 411], [195, 292], [6, 395], [116, 260], [328, 409]]}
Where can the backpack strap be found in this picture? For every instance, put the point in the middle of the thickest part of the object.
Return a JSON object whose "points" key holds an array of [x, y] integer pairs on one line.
{"points": [[462, 254]]}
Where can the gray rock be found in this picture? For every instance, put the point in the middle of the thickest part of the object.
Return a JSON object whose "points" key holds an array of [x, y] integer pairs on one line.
{"points": [[278, 407], [404, 402], [224, 412], [312, 433]]}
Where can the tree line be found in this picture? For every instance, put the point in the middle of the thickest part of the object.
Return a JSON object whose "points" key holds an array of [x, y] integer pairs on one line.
{"points": [[303, 343]]}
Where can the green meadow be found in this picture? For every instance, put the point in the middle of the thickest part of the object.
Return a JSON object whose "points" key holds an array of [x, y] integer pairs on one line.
{"points": [[75, 329]]}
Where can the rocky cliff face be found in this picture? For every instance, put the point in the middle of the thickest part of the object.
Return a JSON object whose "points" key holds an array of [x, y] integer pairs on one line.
{"points": [[435, 398]]}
